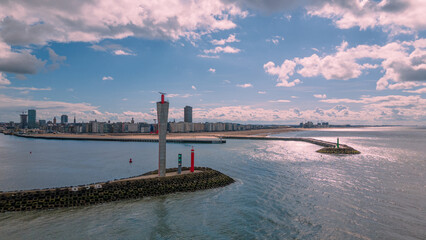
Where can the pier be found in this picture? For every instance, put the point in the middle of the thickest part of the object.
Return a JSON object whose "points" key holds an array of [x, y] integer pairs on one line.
{"points": [[328, 147], [146, 185]]}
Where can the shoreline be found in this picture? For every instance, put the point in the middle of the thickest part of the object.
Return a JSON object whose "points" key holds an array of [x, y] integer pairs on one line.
{"points": [[203, 138], [197, 136]]}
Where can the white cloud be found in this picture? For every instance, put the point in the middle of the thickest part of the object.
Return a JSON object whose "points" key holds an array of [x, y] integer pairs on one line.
{"points": [[193, 87], [283, 72], [121, 52], [26, 88], [18, 61], [3, 79], [294, 97], [280, 101], [226, 49], [230, 39], [208, 56], [55, 59], [227, 81], [107, 78], [320, 95], [392, 109], [403, 64], [9, 106], [261, 92], [174, 95], [27, 22], [246, 85], [390, 100], [97, 20], [115, 49], [420, 91], [396, 17], [275, 39], [388, 108], [124, 99], [212, 70]]}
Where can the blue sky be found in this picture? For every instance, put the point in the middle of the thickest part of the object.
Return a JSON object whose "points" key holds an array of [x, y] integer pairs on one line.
{"points": [[356, 62]]}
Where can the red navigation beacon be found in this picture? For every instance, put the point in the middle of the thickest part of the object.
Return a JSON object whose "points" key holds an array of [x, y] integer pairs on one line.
{"points": [[162, 97], [192, 160]]}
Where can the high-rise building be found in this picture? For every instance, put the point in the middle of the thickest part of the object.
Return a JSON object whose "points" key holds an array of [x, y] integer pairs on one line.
{"points": [[32, 118], [64, 119], [24, 120], [187, 114], [75, 120], [41, 122], [54, 120]]}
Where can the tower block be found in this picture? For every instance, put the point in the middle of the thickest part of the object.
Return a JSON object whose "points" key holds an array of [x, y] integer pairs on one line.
{"points": [[162, 116]]}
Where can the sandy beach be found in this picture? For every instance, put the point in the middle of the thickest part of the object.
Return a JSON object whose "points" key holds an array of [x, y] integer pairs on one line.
{"points": [[193, 135]]}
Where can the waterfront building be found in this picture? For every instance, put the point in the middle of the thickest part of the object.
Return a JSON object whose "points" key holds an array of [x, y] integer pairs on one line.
{"points": [[144, 127], [176, 127], [187, 114], [131, 127], [32, 119], [198, 127], [208, 127], [64, 119], [41, 123], [94, 126], [24, 120], [54, 120]]}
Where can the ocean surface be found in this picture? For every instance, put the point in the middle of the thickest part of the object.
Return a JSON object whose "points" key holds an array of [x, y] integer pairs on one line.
{"points": [[283, 190]]}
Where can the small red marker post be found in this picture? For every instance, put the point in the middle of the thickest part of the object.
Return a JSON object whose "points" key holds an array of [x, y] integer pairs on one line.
{"points": [[130, 161], [192, 159]]}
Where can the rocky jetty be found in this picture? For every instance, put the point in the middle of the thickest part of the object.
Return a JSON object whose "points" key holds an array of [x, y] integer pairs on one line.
{"points": [[333, 150], [146, 185]]}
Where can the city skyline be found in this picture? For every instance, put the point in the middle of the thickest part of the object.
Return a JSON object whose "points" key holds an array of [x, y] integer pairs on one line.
{"points": [[29, 120], [280, 62]]}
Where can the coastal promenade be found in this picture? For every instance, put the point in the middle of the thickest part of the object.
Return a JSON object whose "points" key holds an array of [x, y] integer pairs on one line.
{"points": [[193, 137], [125, 138]]}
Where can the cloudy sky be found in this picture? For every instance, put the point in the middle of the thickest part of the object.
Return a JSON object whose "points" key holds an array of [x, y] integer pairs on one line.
{"points": [[249, 61]]}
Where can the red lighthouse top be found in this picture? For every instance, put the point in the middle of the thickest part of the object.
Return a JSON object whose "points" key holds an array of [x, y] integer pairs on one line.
{"points": [[162, 97]]}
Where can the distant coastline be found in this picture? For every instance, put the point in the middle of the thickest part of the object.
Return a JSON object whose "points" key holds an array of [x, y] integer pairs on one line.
{"points": [[175, 137], [201, 137]]}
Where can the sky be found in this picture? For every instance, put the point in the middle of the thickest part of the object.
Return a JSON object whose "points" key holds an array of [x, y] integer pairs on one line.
{"points": [[244, 61]]}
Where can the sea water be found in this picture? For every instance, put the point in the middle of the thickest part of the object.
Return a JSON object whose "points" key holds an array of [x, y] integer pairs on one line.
{"points": [[283, 190]]}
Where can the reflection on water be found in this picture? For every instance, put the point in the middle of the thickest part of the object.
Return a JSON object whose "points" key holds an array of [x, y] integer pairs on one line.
{"points": [[284, 190]]}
